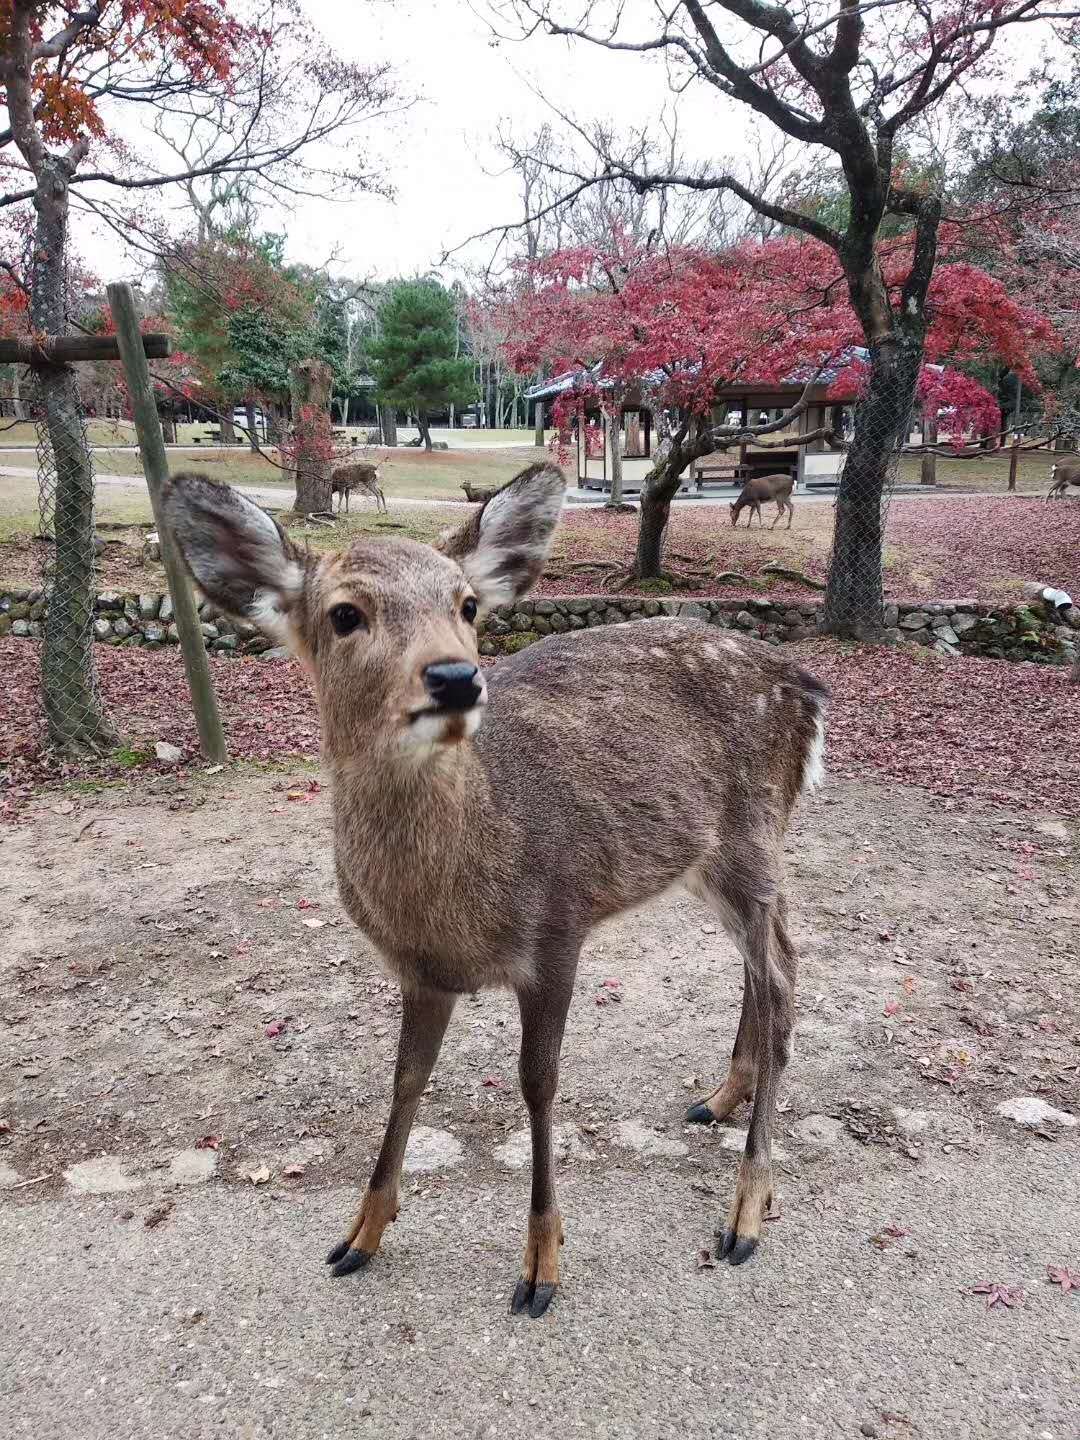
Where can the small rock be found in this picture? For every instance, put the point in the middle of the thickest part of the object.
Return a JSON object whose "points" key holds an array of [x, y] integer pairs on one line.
{"points": [[867, 1428], [276, 652], [430, 1149], [693, 611], [1054, 830], [639, 1138], [516, 1153], [102, 629], [820, 1130], [1032, 1110], [168, 754], [915, 621], [148, 606], [104, 1175], [193, 1167], [166, 611]]}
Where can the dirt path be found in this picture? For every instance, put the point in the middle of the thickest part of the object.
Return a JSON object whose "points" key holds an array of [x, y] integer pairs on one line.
{"points": [[151, 941]]}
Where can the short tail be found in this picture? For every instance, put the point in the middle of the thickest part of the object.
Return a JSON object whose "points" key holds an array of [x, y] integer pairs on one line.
{"points": [[816, 700]]}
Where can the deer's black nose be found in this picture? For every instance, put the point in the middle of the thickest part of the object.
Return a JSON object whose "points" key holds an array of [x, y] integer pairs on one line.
{"points": [[453, 684]]}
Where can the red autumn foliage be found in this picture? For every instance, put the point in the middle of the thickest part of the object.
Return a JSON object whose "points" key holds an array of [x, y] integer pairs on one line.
{"points": [[965, 730], [691, 320]]}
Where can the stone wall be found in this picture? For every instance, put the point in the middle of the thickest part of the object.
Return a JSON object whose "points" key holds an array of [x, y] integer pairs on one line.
{"points": [[952, 627]]}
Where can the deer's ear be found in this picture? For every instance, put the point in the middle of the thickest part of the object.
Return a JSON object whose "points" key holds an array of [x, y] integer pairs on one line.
{"points": [[239, 556], [502, 548]]}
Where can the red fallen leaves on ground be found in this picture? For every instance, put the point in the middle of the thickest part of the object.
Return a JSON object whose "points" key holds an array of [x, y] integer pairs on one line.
{"points": [[947, 548], [208, 1142], [1063, 1276], [276, 1028], [965, 729], [1008, 1296], [303, 904]]}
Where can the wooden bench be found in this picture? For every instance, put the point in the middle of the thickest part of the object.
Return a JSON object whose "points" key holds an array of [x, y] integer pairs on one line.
{"points": [[718, 470]]}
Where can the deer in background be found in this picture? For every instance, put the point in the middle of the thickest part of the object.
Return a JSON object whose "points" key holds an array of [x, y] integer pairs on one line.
{"points": [[476, 494], [463, 799], [1063, 474], [359, 475], [760, 490]]}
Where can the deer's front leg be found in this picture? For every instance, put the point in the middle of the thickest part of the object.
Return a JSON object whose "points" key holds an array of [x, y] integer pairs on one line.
{"points": [[543, 1017], [425, 1015]]}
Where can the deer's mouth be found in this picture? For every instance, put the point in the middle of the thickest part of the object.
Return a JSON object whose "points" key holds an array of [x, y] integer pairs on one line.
{"points": [[444, 724]]}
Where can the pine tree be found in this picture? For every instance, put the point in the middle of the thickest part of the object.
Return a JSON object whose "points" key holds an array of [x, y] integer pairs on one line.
{"points": [[413, 358]]}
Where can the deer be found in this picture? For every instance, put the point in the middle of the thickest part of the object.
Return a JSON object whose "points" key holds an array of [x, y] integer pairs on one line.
{"points": [[758, 491], [476, 494], [361, 475], [462, 796], [1063, 474]]}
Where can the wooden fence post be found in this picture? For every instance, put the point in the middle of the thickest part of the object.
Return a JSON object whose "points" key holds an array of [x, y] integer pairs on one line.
{"points": [[156, 467]]}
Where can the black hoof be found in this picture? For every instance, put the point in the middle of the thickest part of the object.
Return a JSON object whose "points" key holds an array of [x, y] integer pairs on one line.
{"points": [[700, 1115], [350, 1261], [734, 1248], [532, 1300], [337, 1252], [542, 1298]]}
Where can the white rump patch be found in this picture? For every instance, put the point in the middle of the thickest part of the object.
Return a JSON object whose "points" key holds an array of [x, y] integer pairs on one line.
{"points": [[814, 773]]}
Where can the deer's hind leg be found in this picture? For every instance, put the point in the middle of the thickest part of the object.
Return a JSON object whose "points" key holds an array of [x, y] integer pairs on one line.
{"points": [[754, 914]]}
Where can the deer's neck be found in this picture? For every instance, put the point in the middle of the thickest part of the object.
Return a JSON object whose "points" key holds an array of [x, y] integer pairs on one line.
{"points": [[421, 852]]}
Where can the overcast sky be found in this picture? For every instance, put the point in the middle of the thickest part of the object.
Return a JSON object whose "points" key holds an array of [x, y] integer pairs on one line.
{"points": [[442, 160], [441, 155]]}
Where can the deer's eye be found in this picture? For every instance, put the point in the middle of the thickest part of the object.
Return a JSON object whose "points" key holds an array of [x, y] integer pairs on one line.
{"points": [[346, 618], [468, 610]]}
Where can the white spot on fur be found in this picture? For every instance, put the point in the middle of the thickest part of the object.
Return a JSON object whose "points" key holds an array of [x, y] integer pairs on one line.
{"points": [[759, 704], [428, 733], [656, 650], [814, 773]]}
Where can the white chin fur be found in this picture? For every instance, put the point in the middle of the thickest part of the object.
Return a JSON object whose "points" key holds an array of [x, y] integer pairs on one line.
{"points": [[427, 731]]}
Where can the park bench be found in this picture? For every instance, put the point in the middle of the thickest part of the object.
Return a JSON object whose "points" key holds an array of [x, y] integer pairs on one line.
{"points": [[720, 471]]}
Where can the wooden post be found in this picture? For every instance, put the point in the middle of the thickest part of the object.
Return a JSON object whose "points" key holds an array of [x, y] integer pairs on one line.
{"points": [[1014, 460], [156, 468]]}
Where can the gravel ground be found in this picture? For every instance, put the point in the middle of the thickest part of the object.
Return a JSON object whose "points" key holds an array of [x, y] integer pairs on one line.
{"points": [[171, 1174]]}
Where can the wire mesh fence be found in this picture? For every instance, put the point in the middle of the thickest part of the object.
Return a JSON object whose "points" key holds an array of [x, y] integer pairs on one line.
{"points": [[70, 694], [854, 600]]}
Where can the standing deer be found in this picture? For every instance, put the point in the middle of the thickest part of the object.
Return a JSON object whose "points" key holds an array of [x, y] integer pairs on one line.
{"points": [[759, 491], [361, 476], [1063, 474], [462, 802]]}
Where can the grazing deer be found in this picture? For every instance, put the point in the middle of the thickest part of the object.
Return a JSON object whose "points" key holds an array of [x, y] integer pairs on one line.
{"points": [[758, 491], [1063, 474], [361, 476], [463, 802], [476, 494]]}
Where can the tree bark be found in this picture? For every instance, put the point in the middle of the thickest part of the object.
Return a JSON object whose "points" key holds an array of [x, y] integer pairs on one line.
{"points": [[424, 428], [228, 429], [538, 415], [660, 488], [168, 426], [73, 711], [17, 406], [309, 389], [388, 424], [854, 598], [928, 475], [250, 422], [613, 426]]}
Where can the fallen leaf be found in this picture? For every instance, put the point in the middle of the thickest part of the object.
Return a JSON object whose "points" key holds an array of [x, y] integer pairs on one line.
{"points": [[891, 1007], [313, 924], [275, 1028], [158, 1216], [259, 1176], [492, 1082], [303, 904], [1063, 1276], [1008, 1296], [208, 1142], [294, 1172], [213, 769], [705, 1260]]}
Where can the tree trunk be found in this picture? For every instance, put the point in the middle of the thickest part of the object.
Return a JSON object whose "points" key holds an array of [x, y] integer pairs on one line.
{"points": [[538, 423], [424, 428], [309, 389], [928, 475], [168, 426], [613, 426], [275, 423], [228, 429], [1074, 673], [388, 424], [252, 426], [18, 409], [74, 715], [854, 599], [660, 488]]}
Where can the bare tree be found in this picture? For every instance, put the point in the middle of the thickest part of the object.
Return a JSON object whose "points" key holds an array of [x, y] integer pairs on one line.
{"points": [[272, 97], [849, 80]]}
